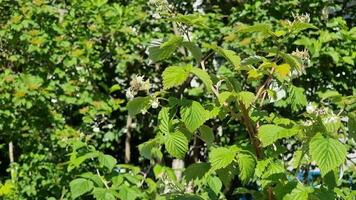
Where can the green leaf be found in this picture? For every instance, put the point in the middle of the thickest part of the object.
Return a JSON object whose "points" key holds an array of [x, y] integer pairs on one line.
{"points": [[193, 115], [149, 149], [352, 125], [258, 27], [269, 133], [227, 174], [227, 54], [138, 104], [225, 96], [247, 98], [194, 49], [175, 75], [127, 193], [299, 193], [297, 98], [191, 20], [215, 184], [165, 123], [328, 153], [115, 88], [93, 177], [206, 133], [247, 164], [252, 60], [103, 194], [300, 26], [165, 50], [293, 61], [204, 76], [196, 171], [221, 157], [177, 144], [80, 186], [107, 161]]}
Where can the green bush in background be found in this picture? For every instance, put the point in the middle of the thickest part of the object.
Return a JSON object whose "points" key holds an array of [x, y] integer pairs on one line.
{"points": [[86, 86]]}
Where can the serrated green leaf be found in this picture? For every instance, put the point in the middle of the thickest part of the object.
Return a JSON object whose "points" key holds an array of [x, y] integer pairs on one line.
{"points": [[175, 75], [93, 177], [164, 121], [196, 171], [138, 104], [261, 167], [268, 134], [247, 164], [252, 60], [127, 193], [191, 20], [107, 161], [194, 50], [227, 174], [103, 194], [148, 148], [80, 186], [225, 96], [204, 76], [258, 27], [215, 184], [247, 98], [293, 61], [299, 193], [193, 115], [206, 133], [176, 144], [227, 54], [300, 26], [328, 153], [297, 98], [221, 157], [165, 50]]}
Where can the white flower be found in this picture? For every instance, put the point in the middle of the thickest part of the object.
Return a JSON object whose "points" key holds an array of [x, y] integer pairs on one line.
{"points": [[155, 103], [96, 129], [110, 126], [311, 108], [146, 85], [143, 111], [194, 83], [129, 94], [345, 119], [280, 92], [54, 100], [307, 123]]}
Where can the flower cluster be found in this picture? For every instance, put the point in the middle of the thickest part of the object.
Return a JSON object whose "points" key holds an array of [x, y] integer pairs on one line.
{"points": [[304, 57], [304, 18], [137, 84]]}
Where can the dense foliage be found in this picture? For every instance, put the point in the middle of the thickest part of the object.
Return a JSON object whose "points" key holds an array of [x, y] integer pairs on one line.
{"points": [[117, 99]]}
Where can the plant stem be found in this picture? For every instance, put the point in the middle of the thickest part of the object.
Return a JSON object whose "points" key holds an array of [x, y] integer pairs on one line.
{"points": [[128, 140]]}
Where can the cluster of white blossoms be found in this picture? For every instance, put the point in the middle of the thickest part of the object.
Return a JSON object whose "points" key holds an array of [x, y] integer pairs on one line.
{"points": [[304, 57], [305, 18], [162, 6], [329, 119], [137, 84]]}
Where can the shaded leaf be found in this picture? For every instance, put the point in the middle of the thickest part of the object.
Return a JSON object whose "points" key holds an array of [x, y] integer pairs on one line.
{"points": [[138, 104], [80, 186]]}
